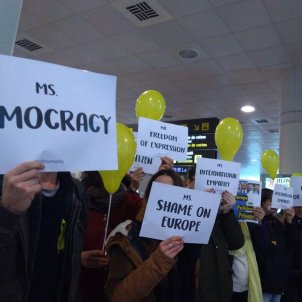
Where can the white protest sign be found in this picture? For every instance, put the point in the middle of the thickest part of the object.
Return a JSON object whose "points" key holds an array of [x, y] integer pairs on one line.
{"points": [[157, 138], [150, 164], [296, 184], [220, 175], [57, 115], [177, 211], [282, 197]]}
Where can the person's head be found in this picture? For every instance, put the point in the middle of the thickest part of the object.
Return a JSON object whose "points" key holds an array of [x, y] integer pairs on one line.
{"points": [[243, 186], [250, 187], [169, 177], [92, 179], [190, 179], [266, 200]]}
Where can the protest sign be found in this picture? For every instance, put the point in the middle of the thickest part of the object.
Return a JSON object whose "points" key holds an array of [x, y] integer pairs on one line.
{"points": [[150, 164], [296, 184], [220, 175], [248, 196], [57, 115], [177, 211], [157, 138], [282, 197]]}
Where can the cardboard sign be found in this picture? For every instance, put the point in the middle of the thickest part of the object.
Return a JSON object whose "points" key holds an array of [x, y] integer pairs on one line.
{"points": [[282, 197], [220, 175], [156, 138], [57, 115], [296, 184], [176, 211], [248, 196]]}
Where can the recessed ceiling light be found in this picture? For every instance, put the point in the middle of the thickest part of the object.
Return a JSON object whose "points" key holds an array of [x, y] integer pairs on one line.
{"points": [[188, 53], [254, 160], [247, 108]]}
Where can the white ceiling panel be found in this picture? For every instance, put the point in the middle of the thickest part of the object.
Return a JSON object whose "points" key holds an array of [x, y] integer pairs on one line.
{"points": [[269, 56], [258, 37], [136, 41], [180, 8], [290, 31], [244, 14], [220, 46], [235, 62], [77, 28], [204, 25], [280, 10], [79, 6]]}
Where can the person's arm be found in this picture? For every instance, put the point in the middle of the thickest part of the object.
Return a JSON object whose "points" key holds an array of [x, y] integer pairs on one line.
{"points": [[231, 230], [126, 283], [229, 223]]}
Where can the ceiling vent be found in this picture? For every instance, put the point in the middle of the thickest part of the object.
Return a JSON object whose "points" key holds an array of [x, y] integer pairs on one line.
{"points": [[272, 131], [31, 46], [27, 44], [262, 121], [142, 13]]}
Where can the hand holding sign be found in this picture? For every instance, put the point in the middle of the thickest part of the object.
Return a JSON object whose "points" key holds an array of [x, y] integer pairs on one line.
{"points": [[228, 138], [150, 104], [227, 202], [289, 215], [270, 162], [172, 246], [126, 148]]}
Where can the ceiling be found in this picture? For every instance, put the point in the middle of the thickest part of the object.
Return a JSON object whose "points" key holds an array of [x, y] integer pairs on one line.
{"points": [[244, 46]]}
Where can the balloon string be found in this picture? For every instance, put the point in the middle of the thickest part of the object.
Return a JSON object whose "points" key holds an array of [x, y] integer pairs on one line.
{"points": [[107, 222]]}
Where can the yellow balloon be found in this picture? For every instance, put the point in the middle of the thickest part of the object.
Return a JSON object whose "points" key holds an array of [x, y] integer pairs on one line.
{"points": [[126, 149], [150, 104], [270, 162], [228, 137]]}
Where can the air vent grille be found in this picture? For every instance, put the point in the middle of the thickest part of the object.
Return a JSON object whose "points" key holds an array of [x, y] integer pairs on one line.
{"points": [[31, 46], [273, 131], [262, 121], [142, 11]]}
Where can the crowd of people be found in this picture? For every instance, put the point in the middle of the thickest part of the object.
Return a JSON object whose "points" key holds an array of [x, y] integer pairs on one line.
{"points": [[53, 246]]}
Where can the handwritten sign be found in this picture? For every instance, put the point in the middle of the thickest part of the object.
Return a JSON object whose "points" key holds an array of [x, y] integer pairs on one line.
{"points": [[248, 196], [156, 138], [220, 175], [57, 115], [296, 184], [176, 211], [282, 197]]}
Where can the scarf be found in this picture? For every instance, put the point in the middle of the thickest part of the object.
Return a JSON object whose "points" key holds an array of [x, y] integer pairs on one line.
{"points": [[254, 286]]}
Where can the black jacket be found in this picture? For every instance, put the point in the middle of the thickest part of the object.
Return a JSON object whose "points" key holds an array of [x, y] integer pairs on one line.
{"points": [[215, 275], [18, 242], [270, 242]]}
